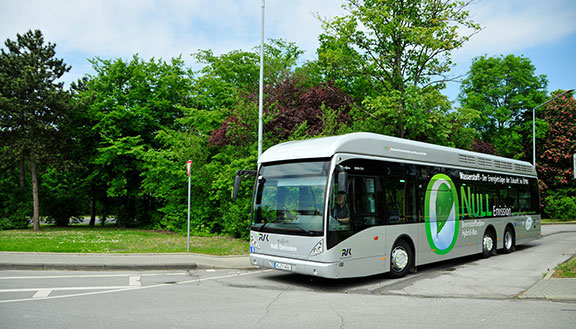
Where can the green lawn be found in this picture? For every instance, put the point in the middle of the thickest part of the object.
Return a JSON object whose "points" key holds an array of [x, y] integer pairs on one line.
{"points": [[566, 270], [83, 239], [558, 221]]}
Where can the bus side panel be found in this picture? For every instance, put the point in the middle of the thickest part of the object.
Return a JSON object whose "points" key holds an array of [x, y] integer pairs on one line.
{"points": [[359, 255]]}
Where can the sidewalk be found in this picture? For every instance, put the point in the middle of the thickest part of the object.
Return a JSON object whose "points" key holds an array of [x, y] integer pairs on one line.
{"points": [[552, 289], [103, 262]]}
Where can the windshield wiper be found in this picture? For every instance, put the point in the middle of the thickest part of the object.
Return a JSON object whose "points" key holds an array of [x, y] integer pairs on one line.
{"points": [[281, 220]]}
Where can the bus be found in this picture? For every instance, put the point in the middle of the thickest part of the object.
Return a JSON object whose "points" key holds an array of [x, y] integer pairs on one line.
{"points": [[363, 204]]}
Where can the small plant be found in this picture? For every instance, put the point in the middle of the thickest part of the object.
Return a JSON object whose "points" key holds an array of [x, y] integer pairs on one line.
{"points": [[566, 269]]}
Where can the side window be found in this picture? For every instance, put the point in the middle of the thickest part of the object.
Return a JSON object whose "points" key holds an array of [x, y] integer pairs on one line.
{"points": [[401, 194], [508, 197], [365, 196], [524, 202]]}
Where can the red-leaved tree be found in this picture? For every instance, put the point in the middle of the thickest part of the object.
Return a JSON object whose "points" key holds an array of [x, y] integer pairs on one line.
{"points": [[555, 153], [288, 105]]}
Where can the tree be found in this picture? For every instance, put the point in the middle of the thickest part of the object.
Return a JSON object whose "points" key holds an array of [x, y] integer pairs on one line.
{"points": [[555, 151], [503, 90], [398, 48], [33, 105], [130, 102], [293, 110], [554, 157]]}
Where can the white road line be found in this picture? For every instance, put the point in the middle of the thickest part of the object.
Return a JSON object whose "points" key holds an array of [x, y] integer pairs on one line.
{"points": [[111, 289], [134, 281], [88, 276], [67, 289], [42, 293]]}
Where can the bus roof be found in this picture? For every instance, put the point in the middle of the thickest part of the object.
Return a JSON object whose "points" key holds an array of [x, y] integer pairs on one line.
{"points": [[382, 146]]}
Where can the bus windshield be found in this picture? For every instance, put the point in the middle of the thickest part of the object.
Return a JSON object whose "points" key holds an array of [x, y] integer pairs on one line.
{"points": [[289, 198]]}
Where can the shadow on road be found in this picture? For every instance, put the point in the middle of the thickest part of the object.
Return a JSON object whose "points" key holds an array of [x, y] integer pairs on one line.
{"points": [[340, 285]]}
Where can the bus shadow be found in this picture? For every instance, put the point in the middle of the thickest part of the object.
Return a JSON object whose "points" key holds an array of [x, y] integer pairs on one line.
{"points": [[341, 285]]}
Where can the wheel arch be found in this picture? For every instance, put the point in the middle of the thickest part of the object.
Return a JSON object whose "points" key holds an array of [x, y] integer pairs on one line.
{"points": [[490, 228], [410, 242]]}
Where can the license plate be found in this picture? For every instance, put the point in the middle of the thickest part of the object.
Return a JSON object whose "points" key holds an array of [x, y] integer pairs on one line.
{"points": [[284, 267]]}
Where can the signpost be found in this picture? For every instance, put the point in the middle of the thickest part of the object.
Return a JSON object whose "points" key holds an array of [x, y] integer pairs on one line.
{"points": [[574, 165], [188, 169]]}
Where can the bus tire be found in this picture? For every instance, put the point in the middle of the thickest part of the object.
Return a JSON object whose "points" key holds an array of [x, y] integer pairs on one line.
{"points": [[401, 259], [509, 243], [488, 244]]}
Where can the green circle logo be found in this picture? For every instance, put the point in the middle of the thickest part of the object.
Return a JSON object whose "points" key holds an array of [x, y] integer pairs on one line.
{"points": [[441, 211]]}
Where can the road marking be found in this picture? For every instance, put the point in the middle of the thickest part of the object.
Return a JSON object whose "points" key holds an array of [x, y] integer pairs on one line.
{"points": [[42, 293], [134, 281], [67, 289], [110, 289], [79, 276]]}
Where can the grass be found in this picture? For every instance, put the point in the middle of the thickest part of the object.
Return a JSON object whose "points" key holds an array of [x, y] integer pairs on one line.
{"points": [[84, 239], [558, 221], [566, 269]]}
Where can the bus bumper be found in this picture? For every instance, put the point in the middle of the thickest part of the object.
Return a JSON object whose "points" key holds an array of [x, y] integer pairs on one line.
{"points": [[306, 267]]}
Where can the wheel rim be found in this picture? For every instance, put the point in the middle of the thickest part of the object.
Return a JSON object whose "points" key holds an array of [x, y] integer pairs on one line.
{"points": [[399, 259], [488, 243], [508, 240]]}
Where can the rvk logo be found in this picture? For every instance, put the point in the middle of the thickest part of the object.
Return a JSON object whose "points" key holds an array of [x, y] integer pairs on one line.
{"points": [[441, 211], [263, 237], [346, 252]]}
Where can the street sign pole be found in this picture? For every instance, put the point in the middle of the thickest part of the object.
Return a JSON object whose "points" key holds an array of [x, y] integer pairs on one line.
{"points": [[188, 169]]}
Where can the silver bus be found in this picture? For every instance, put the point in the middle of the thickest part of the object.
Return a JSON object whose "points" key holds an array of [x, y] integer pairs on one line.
{"points": [[362, 204]]}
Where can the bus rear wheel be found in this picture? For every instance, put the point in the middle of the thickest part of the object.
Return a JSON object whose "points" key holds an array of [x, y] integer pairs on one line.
{"points": [[488, 244], [400, 259], [509, 244]]}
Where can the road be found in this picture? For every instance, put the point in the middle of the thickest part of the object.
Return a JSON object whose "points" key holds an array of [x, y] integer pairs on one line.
{"points": [[466, 293]]}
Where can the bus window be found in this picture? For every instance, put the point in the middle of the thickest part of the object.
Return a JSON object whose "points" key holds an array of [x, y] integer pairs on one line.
{"points": [[364, 210], [508, 197], [401, 200], [525, 202]]}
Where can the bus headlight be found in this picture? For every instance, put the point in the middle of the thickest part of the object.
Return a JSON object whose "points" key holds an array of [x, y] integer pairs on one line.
{"points": [[253, 244], [318, 248]]}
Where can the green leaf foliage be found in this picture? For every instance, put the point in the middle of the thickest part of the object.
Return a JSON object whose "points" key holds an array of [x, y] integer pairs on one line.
{"points": [[503, 90]]}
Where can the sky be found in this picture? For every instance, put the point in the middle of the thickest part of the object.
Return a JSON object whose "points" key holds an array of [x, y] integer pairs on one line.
{"points": [[543, 31]]}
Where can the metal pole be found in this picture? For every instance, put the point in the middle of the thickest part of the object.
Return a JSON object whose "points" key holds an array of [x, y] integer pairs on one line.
{"points": [[261, 95], [534, 124], [189, 174], [534, 137]]}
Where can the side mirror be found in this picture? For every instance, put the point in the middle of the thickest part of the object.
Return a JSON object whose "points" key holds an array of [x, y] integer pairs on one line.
{"points": [[238, 180]]}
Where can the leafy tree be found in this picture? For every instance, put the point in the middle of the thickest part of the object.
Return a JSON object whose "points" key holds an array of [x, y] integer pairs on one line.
{"points": [[395, 50], [292, 110], [33, 105], [554, 153], [165, 179], [130, 103], [503, 89]]}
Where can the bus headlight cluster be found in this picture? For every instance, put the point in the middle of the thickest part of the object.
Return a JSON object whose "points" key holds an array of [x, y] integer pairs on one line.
{"points": [[253, 243], [318, 248]]}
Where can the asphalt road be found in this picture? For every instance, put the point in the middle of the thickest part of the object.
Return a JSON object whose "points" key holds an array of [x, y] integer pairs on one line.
{"points": [[465, 293]]}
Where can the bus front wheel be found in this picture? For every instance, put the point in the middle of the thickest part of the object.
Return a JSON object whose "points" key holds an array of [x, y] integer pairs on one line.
{"points": [[400, 259]]}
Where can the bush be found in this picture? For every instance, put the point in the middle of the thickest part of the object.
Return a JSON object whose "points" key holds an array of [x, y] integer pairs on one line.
{"points": [[561, 207]]}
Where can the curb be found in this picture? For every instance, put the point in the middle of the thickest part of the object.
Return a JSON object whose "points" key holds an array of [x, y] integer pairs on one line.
{"points": [[100, 267], [554, 289]]}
